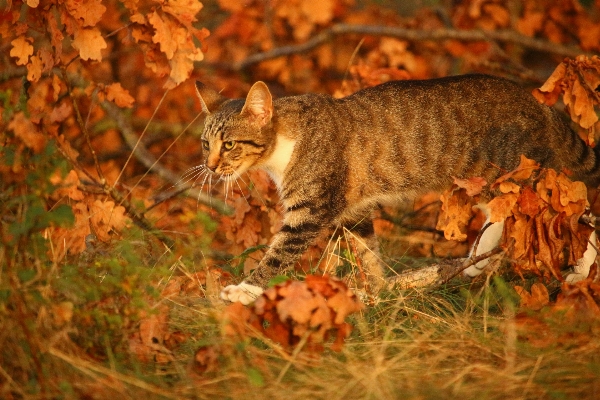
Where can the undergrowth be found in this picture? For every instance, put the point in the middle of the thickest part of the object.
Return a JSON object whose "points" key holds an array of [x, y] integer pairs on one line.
{"points": [[101, 325]]}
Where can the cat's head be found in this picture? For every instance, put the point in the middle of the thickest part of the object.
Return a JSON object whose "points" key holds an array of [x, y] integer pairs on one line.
{"points": [[237, 133]]}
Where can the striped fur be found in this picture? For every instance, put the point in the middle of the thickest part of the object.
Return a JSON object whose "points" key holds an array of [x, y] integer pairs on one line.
{"points": [[334, 160]]}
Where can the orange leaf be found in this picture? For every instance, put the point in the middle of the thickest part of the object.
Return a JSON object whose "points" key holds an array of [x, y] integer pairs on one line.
{"points": [[473, 186], [34, 69], [529, 202], [67, 186], [106, 217], [455, 215], [89, 42], [22, 49], [584, 106], [509, 187], [521, 173], [119, 96], [537, 299], [88, 12], [25, 130], [501, 207]]}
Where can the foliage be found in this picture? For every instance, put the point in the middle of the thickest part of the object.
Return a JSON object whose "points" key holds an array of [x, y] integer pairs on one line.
{"points": [[109, 282]]}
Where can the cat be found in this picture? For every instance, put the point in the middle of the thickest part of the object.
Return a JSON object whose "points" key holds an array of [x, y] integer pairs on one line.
{"points": [[335, 160]]}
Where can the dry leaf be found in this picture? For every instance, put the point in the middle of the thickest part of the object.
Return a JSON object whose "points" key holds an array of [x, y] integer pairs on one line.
{"points": [[537, 299], [501, 207], [22, 49], [118, 95], [90, 43], [473, 186]]}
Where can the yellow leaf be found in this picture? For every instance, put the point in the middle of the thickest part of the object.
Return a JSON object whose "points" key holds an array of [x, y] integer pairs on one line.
{"points": [[89, 42], [33, 3], [22, 49]]}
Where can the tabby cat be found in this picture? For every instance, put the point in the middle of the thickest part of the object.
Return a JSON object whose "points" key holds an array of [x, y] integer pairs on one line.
{"points": [[335, 160]]}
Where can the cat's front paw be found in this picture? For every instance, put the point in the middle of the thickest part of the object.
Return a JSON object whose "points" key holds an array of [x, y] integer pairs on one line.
{"points": [[245, 293]]}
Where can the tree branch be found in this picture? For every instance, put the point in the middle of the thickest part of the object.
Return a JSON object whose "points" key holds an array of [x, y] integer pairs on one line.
{"points": [[418, 35], [144, 156]]}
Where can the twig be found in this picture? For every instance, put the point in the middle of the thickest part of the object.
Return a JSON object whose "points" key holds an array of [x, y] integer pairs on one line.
{"points": [[472, 261], [479, 236], [504, 36]]}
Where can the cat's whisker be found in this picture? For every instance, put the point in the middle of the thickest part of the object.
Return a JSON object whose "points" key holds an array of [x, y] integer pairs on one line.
{"points": [[190, 172], [237, 176]]}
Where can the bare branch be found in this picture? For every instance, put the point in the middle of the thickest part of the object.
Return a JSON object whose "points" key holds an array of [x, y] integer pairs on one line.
{"points": [[144, 156], [417, 35]]}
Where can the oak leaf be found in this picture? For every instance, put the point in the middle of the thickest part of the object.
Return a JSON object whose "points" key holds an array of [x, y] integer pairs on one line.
{"points": [[22, 49], [537, 299], [184, 10], [509, 187], [71, 240], [88, 12], [67, 186], [583, 106], [455, 215], [34, 69], [529, 202], [25, 130], [501, 207], [550, 91], [120, 96], [523, 236], [521, 173], [89, 43], [106, 217], [473, 186]]}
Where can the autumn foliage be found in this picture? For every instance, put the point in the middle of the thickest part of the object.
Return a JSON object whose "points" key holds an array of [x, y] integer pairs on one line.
{"points": [[295, 312], [106, 228]]}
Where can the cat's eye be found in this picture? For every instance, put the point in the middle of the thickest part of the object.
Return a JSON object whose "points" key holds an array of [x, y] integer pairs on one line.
{"points": [[205, 145], [229, 145]]}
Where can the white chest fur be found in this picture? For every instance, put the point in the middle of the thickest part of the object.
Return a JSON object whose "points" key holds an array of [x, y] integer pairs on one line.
{"points": [[278, 161]]}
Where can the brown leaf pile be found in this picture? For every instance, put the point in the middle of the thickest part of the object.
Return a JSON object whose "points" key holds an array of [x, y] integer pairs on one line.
{"points": [[294, 311], [571, 320], [541, 217]]}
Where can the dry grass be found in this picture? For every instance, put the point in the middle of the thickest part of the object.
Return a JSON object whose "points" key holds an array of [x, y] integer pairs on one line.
{"points": [[455, 342]]}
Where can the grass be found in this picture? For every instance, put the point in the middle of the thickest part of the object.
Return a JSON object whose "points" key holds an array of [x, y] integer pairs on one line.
{"points": [[454, 342]]}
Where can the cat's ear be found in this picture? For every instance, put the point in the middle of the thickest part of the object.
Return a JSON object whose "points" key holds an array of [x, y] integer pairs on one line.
{"points": [[209, 99], [259, 104]]}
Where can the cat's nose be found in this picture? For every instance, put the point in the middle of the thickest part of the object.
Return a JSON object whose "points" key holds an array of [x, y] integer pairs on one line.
{"points": [[213, 168]]}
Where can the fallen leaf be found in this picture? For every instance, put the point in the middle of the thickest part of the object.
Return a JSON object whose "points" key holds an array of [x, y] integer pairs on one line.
{"points": [[537, 299], [501, 207], [473, 186]]}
